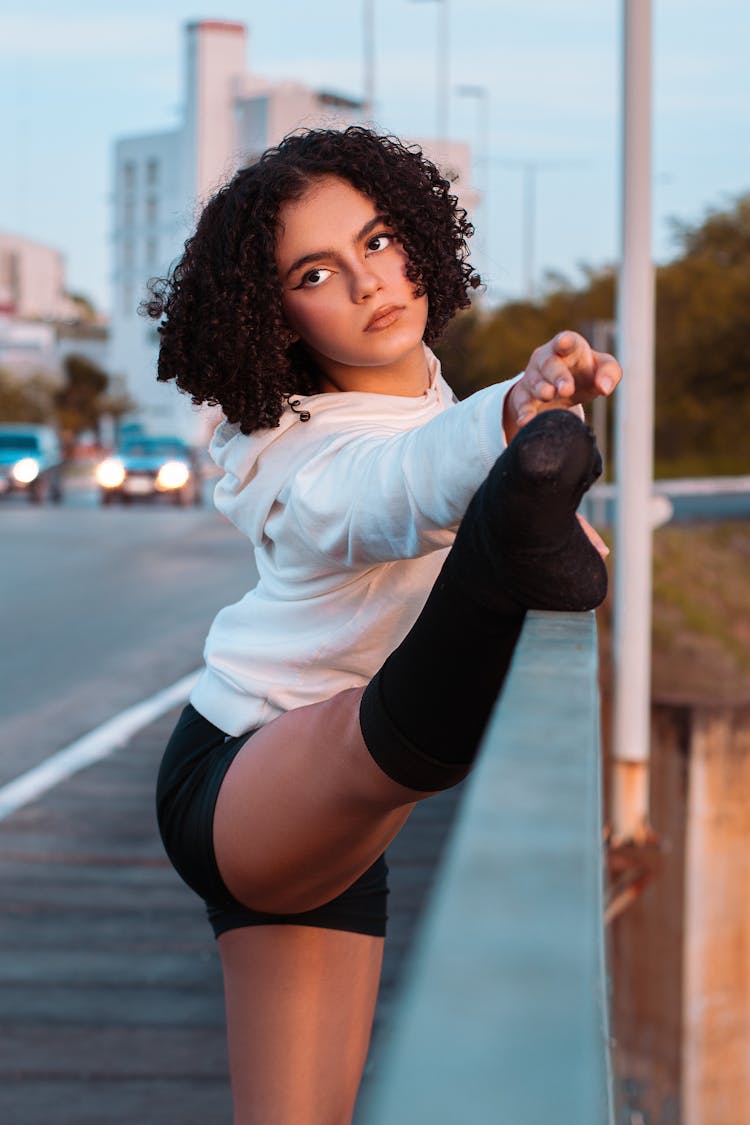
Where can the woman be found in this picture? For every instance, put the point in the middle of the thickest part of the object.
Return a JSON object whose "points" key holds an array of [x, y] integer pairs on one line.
{"points": [[356, 678]]}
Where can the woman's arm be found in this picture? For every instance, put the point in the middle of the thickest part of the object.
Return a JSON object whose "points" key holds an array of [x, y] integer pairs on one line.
{"points": [[379, 496]]}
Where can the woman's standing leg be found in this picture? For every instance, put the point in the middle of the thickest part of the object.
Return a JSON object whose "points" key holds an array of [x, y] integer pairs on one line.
{"points": [[300, 1003]]}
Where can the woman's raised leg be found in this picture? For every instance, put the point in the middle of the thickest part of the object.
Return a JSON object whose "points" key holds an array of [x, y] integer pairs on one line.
{"points": [[314, 797]]}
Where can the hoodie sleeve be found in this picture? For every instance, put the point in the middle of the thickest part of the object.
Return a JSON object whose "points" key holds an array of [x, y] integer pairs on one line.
{"points": [[379, 496]]}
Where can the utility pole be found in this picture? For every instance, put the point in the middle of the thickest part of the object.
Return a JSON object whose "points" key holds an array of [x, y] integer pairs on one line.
{"points": [[442, 74], [530, 169], [482, 96]]}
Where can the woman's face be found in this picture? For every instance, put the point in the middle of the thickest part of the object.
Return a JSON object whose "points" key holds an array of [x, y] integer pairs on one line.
{"points": [[345, 289]]}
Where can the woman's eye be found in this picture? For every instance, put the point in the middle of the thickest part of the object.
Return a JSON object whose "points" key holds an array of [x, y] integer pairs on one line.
{"points": [[314, 278], [379, 242]]}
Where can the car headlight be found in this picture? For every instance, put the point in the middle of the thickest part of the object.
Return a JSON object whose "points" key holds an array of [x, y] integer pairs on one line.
{"points": [[172, 474], [110, 473], [26, 470]]}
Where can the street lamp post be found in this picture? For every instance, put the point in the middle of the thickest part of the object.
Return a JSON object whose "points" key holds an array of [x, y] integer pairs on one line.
{"points": [[443, 70], [482, 97], [369, 59], [530, 168]]}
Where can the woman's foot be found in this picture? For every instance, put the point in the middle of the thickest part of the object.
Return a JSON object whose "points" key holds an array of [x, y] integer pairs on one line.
{"points": [[521, 543]]}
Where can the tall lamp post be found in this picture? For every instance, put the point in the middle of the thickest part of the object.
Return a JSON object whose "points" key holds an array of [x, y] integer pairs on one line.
{"points": [[368, 55], [443, 69], [530, 169], [482, 97]]}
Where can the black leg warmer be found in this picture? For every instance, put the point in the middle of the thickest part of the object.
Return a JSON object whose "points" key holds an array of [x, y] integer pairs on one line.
{"points": [[519, 546]]}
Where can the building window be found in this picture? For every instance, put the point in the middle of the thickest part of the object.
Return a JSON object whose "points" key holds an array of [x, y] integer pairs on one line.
{"points": [[128, 255], [128, 175], [127, 297], [151, 209], [128, 212], [152, 171]]}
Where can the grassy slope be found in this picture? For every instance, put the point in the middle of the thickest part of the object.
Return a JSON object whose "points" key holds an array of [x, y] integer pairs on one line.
{"points": [[701, 616]]}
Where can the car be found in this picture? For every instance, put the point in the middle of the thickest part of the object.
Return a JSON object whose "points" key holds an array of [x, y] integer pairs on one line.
{"points": [[146, 468], [31, 461]]}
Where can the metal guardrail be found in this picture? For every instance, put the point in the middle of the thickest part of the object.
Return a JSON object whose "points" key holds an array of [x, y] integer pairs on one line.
{"points": [[504, 1016], [681, 498]]}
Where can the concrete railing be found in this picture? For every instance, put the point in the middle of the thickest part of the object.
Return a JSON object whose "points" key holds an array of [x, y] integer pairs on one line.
{"points": [[504, 1015]]}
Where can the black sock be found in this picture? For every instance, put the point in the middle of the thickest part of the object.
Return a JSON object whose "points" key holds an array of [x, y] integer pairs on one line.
{"points": [[519, 546]]}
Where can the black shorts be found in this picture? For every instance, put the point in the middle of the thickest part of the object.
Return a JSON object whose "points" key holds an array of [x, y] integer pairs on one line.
{"points": [[193, 767]]}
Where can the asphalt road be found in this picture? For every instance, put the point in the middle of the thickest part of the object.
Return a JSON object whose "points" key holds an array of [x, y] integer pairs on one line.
{"points": [[100, 608]]}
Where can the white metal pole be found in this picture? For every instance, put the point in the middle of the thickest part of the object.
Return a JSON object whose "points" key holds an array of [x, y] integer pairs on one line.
{"points": [[634, 430]]}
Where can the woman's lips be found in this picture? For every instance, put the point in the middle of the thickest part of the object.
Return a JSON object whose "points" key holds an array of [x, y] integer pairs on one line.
{"points": [[384, 317]]}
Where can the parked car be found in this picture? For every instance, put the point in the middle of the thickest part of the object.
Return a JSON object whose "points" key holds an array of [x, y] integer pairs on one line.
{"points": [[31, 461], [145, 468]]}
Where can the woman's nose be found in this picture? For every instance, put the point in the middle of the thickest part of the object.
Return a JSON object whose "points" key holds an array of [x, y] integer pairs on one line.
{"points": [[365, 283]]}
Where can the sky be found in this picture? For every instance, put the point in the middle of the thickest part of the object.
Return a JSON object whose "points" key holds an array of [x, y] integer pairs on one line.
{"points": [[74, 77]]}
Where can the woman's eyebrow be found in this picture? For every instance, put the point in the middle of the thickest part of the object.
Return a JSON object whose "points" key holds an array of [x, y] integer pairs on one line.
{"points": [[316, 255]]}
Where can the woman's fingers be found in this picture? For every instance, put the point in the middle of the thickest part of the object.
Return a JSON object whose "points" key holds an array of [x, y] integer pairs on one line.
{"points": [[594, 536], [561, 373], [607, 373]]}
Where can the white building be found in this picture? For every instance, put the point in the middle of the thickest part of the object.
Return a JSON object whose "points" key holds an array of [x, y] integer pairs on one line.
{"points": [[161, 180]]}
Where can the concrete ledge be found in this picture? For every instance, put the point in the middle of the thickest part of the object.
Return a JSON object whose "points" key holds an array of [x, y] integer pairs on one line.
{"points": [[504, 1015]]}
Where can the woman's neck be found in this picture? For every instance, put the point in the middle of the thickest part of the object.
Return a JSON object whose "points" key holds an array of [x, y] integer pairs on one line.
{"points": [[408, 377]]}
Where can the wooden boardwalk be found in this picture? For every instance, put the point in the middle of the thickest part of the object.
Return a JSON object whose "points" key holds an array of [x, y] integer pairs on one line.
{"points": [[111, 1008]]}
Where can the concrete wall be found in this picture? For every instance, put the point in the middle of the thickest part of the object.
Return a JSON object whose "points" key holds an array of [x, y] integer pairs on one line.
{"points": [[680, 954]]}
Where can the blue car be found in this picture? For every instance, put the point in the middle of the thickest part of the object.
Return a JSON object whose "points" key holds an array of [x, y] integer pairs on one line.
{"points": [[31, 461], [147, 468]]}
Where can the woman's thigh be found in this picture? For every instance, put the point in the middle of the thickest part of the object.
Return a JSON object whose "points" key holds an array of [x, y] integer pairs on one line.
{"points": [[304, 810], [300, 1003]]}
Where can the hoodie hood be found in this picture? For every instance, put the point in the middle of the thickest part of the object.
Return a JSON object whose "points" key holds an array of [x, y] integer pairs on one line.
{"points": [[256, 466]]}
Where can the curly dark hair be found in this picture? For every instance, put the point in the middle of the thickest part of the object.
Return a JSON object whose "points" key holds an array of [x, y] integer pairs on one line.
{"points": [[224, 339]]}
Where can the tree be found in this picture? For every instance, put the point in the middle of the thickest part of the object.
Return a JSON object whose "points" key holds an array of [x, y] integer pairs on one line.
{"points": [[27, 399], [702, 388], [703, 345], [80, 402]]}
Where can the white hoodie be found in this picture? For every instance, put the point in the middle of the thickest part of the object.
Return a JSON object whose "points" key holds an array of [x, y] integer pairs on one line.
{"points": [[350, 514]]}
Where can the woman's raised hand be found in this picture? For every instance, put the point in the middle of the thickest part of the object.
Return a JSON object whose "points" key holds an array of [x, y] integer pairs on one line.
{"points": [[560, 374]]}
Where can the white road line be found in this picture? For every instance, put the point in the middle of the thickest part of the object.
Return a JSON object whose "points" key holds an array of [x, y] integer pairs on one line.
{"points": [[92, 747]]}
